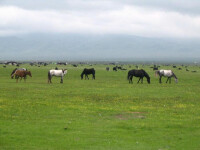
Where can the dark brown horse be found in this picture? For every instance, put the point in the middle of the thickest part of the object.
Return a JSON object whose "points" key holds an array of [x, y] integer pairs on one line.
{"points": [[138, 73], [21, 74]]}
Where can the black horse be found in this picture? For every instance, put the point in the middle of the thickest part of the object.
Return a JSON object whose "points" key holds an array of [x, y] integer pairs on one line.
{"points": [[86, 72], [114, 68], [138, 73]]}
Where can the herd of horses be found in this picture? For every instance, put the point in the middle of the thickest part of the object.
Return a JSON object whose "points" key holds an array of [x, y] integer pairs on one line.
{"points": [[23, 72]]}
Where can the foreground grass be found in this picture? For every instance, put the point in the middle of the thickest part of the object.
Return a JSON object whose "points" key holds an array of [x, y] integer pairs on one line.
{"points": [[107, 113]]}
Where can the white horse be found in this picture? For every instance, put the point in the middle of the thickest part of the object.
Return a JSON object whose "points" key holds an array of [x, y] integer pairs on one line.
{"points": [[57, 73], [166, 73]]}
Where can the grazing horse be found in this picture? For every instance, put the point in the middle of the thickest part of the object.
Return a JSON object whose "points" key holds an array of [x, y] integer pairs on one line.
{"points": [[155, 68], [114, 68], [22, 74], [86, 72], [75, 65], [15, 71], [166, 73], [138, 73], [57, 73]]}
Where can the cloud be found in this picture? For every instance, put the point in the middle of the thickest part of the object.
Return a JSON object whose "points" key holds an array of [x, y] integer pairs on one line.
{"points": [[183, 6], [125, 19]]}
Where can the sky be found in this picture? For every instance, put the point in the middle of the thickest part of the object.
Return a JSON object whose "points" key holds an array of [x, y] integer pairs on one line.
{"points": [[156, 19]]}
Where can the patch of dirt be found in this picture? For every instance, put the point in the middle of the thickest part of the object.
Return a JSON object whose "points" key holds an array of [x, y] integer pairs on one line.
{"points": [[137, 112], [131, 115]]}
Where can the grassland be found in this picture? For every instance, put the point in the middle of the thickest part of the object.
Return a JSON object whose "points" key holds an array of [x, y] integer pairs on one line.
{"points": [[106, 113]]}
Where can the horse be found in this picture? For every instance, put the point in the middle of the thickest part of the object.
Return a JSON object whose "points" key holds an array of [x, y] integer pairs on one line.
{"points": [[75, 65], [57, 73], [15, 71], [22, 74], [120, 68], [155, 68], [114, 68], [138, 73], [166, 73], [86, 72], [107, 68]]}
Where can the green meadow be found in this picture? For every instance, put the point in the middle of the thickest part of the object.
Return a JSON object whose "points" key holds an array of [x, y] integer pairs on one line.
{"points": [[106, 113]]}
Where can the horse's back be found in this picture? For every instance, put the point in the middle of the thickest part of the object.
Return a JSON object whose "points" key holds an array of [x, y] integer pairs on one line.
{"points": [[89, 71], [20, 73], [56, 72], [166, 72]]}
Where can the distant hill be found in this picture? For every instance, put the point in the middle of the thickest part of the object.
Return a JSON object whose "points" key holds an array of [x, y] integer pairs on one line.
{"points": [[101, 47]]}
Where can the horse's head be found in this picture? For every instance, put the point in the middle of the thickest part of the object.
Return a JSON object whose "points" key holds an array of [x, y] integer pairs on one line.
{"points": [[176, 80], [29, 73], [81, 76], [64, 71], [148, 80]]}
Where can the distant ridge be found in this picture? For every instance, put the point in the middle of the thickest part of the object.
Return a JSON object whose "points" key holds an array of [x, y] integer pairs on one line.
{"points": [[96, 47]]}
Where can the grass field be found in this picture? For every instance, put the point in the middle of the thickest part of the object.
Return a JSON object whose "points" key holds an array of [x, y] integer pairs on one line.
{"points": [[106, 113]]}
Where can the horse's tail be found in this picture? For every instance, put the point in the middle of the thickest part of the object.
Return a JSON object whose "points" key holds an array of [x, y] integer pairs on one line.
{"points": [[12, 74], [49, 76], [128, 76], [156, 73]]}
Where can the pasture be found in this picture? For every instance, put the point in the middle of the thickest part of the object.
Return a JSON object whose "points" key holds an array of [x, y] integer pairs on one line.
{"points": [[106, 113]]}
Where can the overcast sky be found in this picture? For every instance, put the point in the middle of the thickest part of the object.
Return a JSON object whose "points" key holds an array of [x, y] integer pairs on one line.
{"points": [[152, 18], [178, 21]]}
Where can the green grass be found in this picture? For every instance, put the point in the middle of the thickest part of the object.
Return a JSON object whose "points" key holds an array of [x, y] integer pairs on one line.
{"points": [[106, 113]]}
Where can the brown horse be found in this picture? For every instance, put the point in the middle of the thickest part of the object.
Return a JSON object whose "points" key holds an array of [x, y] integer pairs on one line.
{"points": [[22, 74]]}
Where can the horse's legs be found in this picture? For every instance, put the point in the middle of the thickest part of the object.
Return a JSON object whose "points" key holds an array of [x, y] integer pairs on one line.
{"points": [[61, 81], [170, 80], [138, 80], [49, 79], [131, 79], [167, 79], [160, 79], [142, 81]]}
